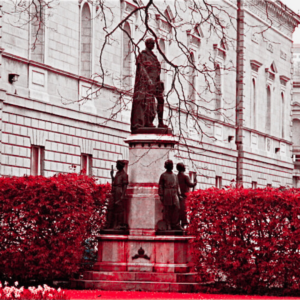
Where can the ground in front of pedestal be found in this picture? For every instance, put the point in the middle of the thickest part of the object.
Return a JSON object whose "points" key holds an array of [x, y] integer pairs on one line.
{"points": [[97, 294]]}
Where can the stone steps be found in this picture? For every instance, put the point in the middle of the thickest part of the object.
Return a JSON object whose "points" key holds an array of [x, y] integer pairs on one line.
{"points": [[140, 276], [139, 281], [147, 286]]}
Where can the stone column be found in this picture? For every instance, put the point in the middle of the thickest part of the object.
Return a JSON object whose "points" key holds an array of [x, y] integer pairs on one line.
{"points": [[147, 154]]}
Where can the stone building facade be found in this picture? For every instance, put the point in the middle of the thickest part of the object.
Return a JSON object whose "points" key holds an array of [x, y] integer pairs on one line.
{"points": [[51, 123], [296, 115]]}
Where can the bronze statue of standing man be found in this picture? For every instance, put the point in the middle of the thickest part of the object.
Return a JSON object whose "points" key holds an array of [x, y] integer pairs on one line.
{"points": [[116, 207], [147, 87], [169, 196], [184, 185]]}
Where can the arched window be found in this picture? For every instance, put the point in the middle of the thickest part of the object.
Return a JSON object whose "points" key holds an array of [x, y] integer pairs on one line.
{"points": [[253, 104], [296, 133], [192, 78], [282, 115], [127, 57], [37, 32], [218, 90], [162, 47], [268, 112], [86, 41]]}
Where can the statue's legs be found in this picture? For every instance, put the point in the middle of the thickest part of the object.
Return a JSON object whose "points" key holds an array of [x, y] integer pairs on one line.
{"points": [[174, 217], [119, 215], [160, 111], [182, 212], [138, 111], [171, 216]]}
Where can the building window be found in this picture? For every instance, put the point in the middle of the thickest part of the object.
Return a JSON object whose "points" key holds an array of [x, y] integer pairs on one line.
{"points": [[282, 114], [218, 90], [269, 185], [127, 57], [253, 104], [192, 78], [268, 112], [218, 182], [254, 184], [37, 160], [37, 32], [162, 47], [86, 41], [86, 164], [295, 181]]}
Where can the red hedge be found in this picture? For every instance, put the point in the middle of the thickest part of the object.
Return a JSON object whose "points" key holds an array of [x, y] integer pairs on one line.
{"points": [[249, 239], [44, 223]]}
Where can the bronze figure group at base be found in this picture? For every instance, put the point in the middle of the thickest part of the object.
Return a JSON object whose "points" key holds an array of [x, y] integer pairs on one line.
{"points": [[172, 192]]}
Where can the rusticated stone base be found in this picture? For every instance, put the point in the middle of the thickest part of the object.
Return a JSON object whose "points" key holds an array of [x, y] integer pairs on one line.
{"points": [[144, 263]]}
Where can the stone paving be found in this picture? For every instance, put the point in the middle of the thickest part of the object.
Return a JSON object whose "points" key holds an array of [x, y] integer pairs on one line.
{"points": [[98, 294]]}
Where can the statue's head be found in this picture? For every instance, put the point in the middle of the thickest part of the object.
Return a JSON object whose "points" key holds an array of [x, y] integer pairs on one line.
{"points": [[180, 167], [150, 43], [169, 165], [120, 165]]}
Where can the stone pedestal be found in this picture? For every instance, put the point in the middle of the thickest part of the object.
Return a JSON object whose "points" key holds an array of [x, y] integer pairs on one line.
{"points": [[137, 260], [147, 154]]}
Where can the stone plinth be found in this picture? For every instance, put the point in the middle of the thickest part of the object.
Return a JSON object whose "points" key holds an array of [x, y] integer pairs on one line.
{"points": [[147, 154], [142, 263], [162, 254]]}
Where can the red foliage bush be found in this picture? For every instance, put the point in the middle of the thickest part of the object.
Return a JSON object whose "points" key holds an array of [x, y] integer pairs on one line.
{"points": [[44, 223], [249, 239]]}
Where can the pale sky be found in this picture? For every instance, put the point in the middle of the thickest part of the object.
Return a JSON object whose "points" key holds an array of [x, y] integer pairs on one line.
{"points": [[295, 6]]}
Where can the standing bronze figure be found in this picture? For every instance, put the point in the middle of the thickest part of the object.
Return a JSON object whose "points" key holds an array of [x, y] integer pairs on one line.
{"points": [[116, 206], [184, 184], [147, 87], [169, 196]]}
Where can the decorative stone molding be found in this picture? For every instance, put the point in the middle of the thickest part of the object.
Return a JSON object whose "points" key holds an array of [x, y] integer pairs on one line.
{"points": [[86, 146], [163, 26], [283, 80], [220, 52], [269, 144], [276, 14], [270, 76], [38, 83], [37, 137], [255, 65], [270, 47], [283, 55], [127, 8], [169, 14], [193, 41], [283, 149], [254, 38], [254, 140], [218, 131]]}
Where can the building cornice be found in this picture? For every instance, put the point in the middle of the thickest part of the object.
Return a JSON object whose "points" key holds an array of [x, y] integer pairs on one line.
{"points": [[276, 14]]}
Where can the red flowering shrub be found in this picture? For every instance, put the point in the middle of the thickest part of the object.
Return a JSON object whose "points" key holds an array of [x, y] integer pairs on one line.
{"points": [[249, 239], [44, 223]]}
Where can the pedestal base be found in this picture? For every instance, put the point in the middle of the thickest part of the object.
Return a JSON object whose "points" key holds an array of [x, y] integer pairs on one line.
{"points": [[142, 263]]}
